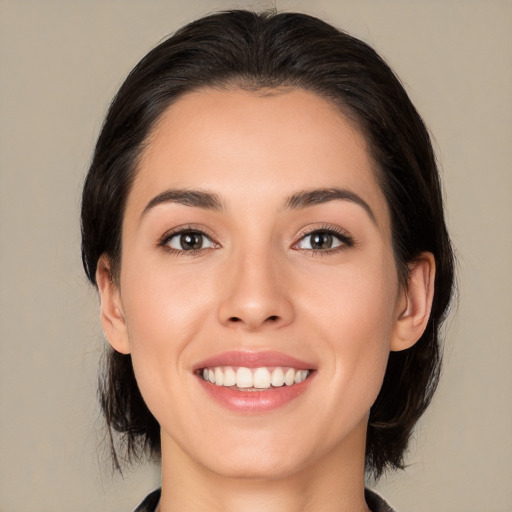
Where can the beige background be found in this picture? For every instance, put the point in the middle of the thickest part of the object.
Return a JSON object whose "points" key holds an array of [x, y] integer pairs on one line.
{"points": [[60, 64]]}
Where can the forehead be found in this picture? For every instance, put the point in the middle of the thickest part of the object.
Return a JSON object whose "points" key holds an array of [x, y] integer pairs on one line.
{"points": [[245, 143]]}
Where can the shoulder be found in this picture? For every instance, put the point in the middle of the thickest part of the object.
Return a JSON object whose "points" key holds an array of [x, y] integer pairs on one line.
{"points": [[375, 502], [150, 502]]}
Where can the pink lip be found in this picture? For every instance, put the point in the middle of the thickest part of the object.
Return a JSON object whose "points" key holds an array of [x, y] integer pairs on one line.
{"points": [[254, 401], [253, 360]]}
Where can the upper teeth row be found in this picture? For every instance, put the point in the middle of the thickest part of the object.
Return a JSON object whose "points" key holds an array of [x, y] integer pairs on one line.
{"points": [[261, 378]]}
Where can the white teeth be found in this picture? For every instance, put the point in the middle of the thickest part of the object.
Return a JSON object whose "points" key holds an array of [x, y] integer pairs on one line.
{"points": [[255, 378], [300, 376], [262, 378], [244, 378], [289, 377], [229, 377], [277, 377], [219, 377]]}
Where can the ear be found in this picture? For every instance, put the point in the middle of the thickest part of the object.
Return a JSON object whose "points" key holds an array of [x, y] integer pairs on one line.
{"points": [[415, 304], [112, 315]]}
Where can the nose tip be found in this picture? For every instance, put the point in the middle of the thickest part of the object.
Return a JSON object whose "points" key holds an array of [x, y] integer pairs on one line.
{"points": [[255, 297]]}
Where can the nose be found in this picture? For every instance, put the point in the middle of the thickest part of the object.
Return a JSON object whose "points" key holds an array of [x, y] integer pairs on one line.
{"points": [[256, 293]]}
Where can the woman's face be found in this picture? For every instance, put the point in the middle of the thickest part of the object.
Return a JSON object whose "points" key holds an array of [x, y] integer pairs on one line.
{"points": [[256, 250]]}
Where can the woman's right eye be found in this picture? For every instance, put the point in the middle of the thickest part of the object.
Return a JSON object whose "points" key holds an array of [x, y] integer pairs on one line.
{"points": [[189, 241]]}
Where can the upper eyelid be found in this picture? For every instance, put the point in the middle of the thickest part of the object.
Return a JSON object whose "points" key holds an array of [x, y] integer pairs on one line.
{"points": [[335, 230], [342, 233], [187, 228], [347, 240]]}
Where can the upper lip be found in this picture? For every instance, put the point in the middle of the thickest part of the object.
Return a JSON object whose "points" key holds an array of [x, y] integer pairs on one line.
{"points": [[249, 359]]}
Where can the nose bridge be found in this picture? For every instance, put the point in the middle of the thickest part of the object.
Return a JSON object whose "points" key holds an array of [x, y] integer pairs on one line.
{"points": [[254, 289]]}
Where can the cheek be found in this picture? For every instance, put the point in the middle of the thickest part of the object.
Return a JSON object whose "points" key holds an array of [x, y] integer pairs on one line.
{"points": [[355, 305], [163, 307], [164, 313], [355, 320]]}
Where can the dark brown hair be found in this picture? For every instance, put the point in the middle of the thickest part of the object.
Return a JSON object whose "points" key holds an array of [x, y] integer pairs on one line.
{"points": [[243, 49]]}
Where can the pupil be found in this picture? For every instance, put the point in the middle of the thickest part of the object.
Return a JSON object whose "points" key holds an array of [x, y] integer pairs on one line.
{"points": [[321, 241], [191, 241]]}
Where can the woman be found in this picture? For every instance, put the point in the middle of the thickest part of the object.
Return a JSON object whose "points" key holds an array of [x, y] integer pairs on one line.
{"points": [[263, 220]]}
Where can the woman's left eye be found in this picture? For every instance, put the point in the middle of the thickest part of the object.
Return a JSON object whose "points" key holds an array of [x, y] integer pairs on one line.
{"points": [[322, 240], [189, 241]]}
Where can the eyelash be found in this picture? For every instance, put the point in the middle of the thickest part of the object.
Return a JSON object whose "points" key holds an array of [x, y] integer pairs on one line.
{"points": [[345, 239], [183, 230]]}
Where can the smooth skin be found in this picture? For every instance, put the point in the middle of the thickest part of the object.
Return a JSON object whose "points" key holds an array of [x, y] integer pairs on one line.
{"points": [[259, 280]]}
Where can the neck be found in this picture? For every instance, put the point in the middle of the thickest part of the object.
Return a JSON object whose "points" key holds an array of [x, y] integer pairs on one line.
{"points": [[334, 482]]}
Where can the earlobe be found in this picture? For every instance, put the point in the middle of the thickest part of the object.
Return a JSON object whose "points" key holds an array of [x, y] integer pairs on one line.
{"points": [[112, 315], [414, 308]]}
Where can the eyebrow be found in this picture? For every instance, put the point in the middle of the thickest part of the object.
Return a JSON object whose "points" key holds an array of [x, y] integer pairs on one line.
{"points": [[307, 198], [194, 198], [302, 199]]}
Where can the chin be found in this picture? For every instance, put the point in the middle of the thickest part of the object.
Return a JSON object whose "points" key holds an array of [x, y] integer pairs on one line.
{"points": [[262, 456], [261, 466]]}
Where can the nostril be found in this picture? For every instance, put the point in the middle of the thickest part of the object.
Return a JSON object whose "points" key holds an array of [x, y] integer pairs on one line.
{"points": [[271, 319]]}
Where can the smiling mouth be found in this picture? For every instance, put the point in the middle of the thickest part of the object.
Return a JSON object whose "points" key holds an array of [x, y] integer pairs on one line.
{"points": [[253, 379]]}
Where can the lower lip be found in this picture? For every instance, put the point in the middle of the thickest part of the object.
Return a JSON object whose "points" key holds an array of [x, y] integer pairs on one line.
{"points": [[255, 401]]}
